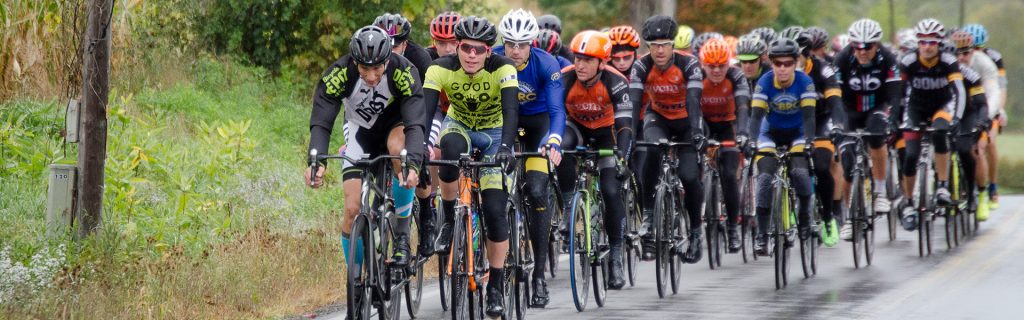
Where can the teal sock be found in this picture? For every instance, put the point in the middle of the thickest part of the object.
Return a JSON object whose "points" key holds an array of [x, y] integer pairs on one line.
{"points": [[358, 254], [403, 198]]}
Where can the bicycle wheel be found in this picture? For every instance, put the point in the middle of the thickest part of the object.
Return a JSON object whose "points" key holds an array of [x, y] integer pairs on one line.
{"points": [[390, 275], [360, 273], [780, 253], [709, 218], [443, 283], [461, 297], [857, 215], [869, 240], [515, 292], [579, 256], [662, 207], [746, 214], [555, 242], [414, 285], [923, 219], [632, 236], [677, 226], [892, 187], [599, 253], [720, 233]]}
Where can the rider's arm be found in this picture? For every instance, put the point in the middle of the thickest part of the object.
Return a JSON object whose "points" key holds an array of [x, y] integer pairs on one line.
{"points": [[759, 106], [619, 93], [956, 79], [741, 93], [432, 84], [893, 88], [327, 104], [407, 86], [509, 85], [834, 95], [555, 93], [636, 91], [808, 99], [694, 89]]}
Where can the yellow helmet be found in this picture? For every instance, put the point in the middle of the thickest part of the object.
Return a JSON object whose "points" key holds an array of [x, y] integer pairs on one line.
{"points": [[684, 37]]}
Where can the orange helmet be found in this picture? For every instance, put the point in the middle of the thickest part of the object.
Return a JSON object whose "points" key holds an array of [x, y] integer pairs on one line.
{"points": [[624, 36], [593, 44], [715, 51], [731, 42], [961, 39]]}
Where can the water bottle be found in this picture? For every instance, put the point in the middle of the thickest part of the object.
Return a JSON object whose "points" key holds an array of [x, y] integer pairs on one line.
{"points": [[476, 230]]}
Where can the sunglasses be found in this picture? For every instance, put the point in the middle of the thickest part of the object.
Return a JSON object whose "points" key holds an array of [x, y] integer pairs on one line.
{"points": [[517, 45], [963, 53], [928, 42], [786, 64], [471, 49], [859, 46], [622, 57]]}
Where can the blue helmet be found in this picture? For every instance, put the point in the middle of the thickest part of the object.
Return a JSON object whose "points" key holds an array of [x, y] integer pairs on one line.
{"points": [[978, 32]]}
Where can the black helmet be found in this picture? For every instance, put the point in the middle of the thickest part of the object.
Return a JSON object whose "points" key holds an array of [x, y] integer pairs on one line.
{"points": [[370, 46], [819, 37], [784, 47], [476, 28], [660, 27], [550, 22], [395, 25]]}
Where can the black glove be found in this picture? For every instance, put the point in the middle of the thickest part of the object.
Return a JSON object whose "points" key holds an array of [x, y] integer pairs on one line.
{"points": [[985, 125], [505, 158], [699, 141], [835, 133]]}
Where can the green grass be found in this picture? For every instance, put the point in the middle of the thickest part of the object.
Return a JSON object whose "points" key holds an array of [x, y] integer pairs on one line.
{"points": [[1011, 162], [205, 212]]}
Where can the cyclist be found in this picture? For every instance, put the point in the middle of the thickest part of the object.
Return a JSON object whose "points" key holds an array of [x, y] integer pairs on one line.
{"points": [[598, 105], [551, 42], [483, 92], [670, 85], [399, 29], [819, 40], [683, 40], [984, 67], [542, 120], [997, 112], [383, 104], [839, 42], [625, 42], [551, 22], [783, 114], [442, 31], [937, 96], [829, 118], [767, 34], [976, 119], [749, 51], [870, 80], [725, 104]]}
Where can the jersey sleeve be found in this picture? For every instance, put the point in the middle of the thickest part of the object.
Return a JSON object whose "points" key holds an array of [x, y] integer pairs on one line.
{"points": [[507, 77], [760, 96], [555, 98]]}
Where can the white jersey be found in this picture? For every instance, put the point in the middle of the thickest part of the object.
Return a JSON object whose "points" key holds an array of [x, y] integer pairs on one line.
{"points": [[989, 73]]}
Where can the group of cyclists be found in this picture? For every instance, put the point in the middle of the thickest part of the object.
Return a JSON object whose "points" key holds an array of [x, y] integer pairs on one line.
{"points": [[762, 92]]}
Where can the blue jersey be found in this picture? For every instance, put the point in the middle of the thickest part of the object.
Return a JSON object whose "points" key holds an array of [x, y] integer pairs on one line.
{"points": [[540, 90], [563, 62], [784, 104]]}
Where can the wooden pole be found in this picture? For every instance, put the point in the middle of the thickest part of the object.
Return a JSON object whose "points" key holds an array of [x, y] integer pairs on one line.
{"points": [[92, 151], [892, 23]]}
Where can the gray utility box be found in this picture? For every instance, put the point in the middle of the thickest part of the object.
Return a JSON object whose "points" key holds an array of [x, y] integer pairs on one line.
{"points": [[60, 200]]}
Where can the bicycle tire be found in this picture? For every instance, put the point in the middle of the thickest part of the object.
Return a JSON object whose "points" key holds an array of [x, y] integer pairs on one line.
{"points": [[633, 222], [923, 235], [662, 254], [746, 215], [387, 275], [599, 252], [461, 298], [857, 208], [357, 286], [557, 216], [780, 250], [677, 225], [579, 268], [414, 285]]}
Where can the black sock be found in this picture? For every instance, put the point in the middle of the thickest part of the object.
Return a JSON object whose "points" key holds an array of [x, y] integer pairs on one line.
{"points": [[764, 218], [497, 279]]}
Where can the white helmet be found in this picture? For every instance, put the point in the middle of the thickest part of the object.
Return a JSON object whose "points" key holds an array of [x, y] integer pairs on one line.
{"points": [[865, 31], [519, 25], [930, 28]]}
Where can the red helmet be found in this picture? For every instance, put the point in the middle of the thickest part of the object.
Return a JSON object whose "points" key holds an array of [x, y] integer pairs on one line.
{"points": [[715, 51], [442, 28], [592, 44]]}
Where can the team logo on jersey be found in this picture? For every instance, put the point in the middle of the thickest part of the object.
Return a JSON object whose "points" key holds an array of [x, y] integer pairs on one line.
{"points": [[785, 104], [865, 82], [335, 79], [404, 80], [526, 92], [555, 76]]}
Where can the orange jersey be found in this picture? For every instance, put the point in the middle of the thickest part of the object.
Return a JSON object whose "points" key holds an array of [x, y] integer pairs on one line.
{"points": [[665, 90], [717, 101], [596, 105]]}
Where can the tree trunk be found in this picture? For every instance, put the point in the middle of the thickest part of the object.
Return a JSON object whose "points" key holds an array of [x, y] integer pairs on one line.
{"points": [[92, 152]]}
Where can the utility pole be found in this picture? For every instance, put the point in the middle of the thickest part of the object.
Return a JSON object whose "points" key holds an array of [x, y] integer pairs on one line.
{"points": [[892, 22], [962, 9], [92, 150]]}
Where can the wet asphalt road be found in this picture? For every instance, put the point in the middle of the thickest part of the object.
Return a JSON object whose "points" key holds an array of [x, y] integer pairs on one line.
{"points": [[983, 278]]}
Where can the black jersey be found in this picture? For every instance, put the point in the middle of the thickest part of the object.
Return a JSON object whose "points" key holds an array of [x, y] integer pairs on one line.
{"points": [[933, 82], [399, 94], [866, 87]]}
